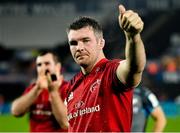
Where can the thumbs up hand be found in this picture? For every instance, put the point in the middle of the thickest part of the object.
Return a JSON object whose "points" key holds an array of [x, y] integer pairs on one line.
{"points": [[130, 21]]}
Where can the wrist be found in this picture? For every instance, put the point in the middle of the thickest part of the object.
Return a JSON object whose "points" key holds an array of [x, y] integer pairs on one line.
{"points": [[53, 95], [37, 89], [131, 34], [134, 37]]}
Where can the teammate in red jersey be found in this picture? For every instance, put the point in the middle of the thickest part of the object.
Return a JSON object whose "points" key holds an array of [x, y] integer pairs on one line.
{"points": [[43, 98], [100, 96]]}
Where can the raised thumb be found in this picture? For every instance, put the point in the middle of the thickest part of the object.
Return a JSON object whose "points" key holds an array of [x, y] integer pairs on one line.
{"points": [[121, 9]]}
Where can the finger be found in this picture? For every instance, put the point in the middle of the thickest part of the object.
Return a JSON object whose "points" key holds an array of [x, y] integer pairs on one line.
{"points": [[140, 26], [42, 81], [122, 10], [48, 75], [126, 20], [137, 24], [133, 16], [41, 72], [133, 21]]}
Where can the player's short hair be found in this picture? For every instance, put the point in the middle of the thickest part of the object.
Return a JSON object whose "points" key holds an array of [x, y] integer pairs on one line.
{"points": [[85, 21], [55, 56]]}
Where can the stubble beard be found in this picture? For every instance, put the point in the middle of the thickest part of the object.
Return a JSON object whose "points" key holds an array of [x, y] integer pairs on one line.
{"points": [[82, 63]]}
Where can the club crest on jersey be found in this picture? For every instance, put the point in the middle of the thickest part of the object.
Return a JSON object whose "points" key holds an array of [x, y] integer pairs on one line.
{"points": [[95, 85]]}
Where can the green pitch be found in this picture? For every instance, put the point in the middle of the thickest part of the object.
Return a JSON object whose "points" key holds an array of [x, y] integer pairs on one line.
{"points": [[8, 123], [171, 126]]}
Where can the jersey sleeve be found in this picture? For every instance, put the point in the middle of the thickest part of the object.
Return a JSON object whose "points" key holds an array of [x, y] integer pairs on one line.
{"points": [[64, 89], [115, 81], [28, 88], [150, 100]]}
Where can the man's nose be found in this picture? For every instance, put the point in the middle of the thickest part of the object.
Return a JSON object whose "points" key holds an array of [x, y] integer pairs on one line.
{"points": [[44, 68], [80, 45], [47, 71]]}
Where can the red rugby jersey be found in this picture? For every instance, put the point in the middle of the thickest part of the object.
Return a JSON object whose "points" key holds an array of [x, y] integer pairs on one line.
{"points": [[98, 102], [41, 117]]}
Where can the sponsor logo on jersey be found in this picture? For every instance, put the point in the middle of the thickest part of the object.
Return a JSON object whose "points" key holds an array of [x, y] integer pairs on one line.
{"points": [[84, 111], [39, 106], [42, 112]]}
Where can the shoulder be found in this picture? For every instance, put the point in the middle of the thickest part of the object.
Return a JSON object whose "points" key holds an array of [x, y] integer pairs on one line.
{"points": [[29, 88], [150, 96], [75, 78], [65, 83], [113, 64], [143, 92], [146, 91], [114, 61]]}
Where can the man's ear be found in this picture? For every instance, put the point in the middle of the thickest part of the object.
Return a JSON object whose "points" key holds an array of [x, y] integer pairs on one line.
{"points": [[102, 43], [58, 67]]}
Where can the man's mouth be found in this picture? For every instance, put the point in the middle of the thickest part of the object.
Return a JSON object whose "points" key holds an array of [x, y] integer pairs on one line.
{"points": [[80, 56]]}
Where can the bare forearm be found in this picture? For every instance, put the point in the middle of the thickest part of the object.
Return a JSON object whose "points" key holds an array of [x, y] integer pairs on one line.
{"points": [[135, 53], [22, 104], [159, 120], [159, 126], [59, 109], [130, 70]]}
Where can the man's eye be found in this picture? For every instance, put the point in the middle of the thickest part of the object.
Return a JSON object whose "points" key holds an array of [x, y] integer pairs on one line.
{"points": [[85, 40], [39, 64], [73, 43]]}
